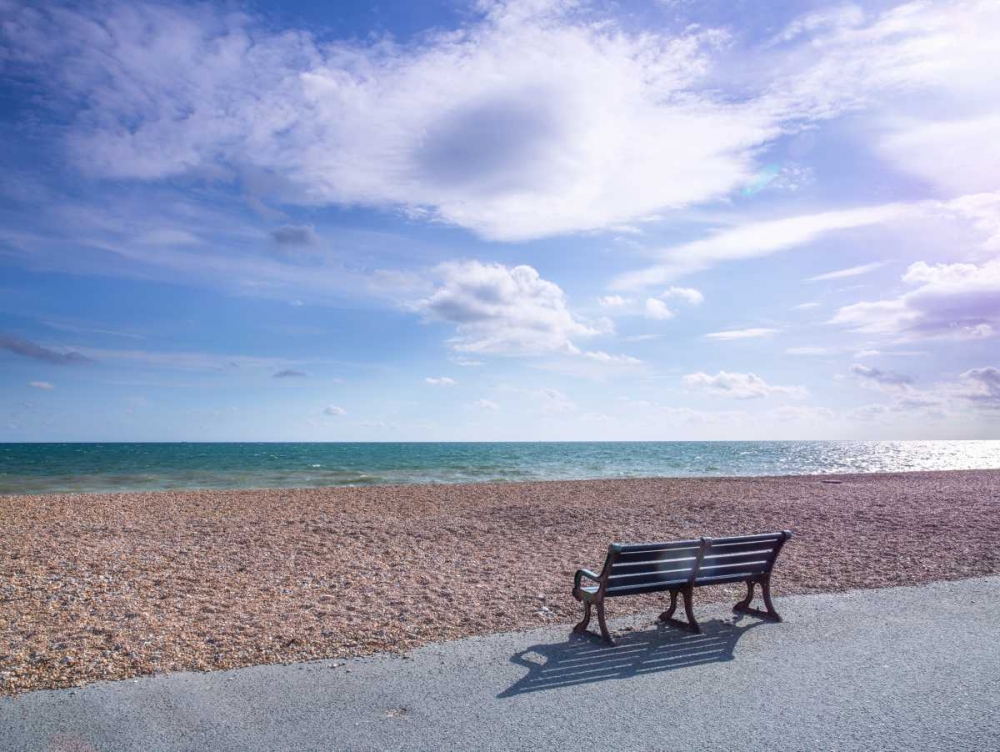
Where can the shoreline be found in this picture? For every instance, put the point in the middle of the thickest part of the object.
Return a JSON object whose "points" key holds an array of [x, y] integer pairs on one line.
{"points": [[108, 586], [834, 477]]}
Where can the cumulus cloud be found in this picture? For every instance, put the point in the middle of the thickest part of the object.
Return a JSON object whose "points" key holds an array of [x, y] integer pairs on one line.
{"points": [[28, 349], [334, 410], [657, 309], [982, 387], [290, 373], [854, 271], [734, 334], [504, 310], [739, 385], [687, 294], [440, 381], [948, 300], [44, 385], [884, 378]]}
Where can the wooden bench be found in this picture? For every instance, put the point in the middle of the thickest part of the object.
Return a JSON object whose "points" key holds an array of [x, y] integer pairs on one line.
{"points": [[680, 567]]}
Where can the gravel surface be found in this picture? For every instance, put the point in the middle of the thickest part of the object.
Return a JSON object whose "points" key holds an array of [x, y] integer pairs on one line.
{"points": [[112, 586]]}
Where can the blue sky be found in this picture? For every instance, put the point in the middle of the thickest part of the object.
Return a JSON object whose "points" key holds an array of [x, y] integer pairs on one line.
{"points": [[499, 221]]}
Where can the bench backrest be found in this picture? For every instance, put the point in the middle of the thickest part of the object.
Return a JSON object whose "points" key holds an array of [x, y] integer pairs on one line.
{"points": [[634, 568]]}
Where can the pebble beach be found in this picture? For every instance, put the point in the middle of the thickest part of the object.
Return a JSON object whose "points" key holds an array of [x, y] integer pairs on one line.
{"points": [[111, 586]]}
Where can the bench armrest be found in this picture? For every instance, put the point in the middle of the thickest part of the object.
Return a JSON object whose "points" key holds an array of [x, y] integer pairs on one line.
{"points": [[580, 574]]}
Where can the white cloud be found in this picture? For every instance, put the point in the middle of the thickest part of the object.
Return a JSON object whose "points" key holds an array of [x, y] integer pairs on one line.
{"points": [[485, 404], [613, 301], [506, 311], [854, 271], [739, 385], [528, 121], [440, 381], [44, 385], [805, 306], [657, 310], [687, 294], [642, 337], [532, 119], [754, 240], [734, 334], [959, 301], [461, 360], [958, 156], [836, 18], [603, 357], [334, 410]]}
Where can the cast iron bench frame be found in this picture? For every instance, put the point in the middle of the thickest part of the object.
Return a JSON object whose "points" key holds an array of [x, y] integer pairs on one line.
{"points": [[680, 567]]}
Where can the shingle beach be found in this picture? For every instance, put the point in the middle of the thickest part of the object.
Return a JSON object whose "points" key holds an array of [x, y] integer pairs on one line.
{"points": [[97, 587]]}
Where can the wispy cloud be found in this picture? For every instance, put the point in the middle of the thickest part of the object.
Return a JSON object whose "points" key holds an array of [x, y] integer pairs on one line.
{"points": [[28, 349], [43, 385], [290, 373], [440, 381], [334, 410], [854, 271], [754, 240], [734, 334]]}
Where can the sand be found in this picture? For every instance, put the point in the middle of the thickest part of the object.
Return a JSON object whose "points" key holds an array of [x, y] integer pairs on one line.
{"points": [[112, 586]]}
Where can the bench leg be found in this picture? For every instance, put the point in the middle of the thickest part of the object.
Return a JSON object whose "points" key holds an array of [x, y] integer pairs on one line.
{"points": [[766, 587], [689, 608], [668, 616], [582, 626], [744, 605], [604, 625], [669, 613]]}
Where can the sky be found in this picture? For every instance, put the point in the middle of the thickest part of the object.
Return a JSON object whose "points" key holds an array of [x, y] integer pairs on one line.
{"points": [[526, 220]]}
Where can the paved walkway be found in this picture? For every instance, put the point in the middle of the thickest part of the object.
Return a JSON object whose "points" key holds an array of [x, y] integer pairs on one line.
{"points": [[899, 669]]}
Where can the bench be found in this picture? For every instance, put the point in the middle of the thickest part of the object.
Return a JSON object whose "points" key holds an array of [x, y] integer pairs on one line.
{"points": [[680, 567]]}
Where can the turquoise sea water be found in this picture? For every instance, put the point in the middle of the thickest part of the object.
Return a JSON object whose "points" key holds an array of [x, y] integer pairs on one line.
{"points": [[62, 468]]}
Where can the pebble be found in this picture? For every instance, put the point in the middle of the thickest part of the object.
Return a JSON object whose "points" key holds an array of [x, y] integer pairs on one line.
{"points": [[116, 586]]}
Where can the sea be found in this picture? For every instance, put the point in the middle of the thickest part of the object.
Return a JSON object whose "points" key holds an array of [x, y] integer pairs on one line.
{"points": [[98, 468]]}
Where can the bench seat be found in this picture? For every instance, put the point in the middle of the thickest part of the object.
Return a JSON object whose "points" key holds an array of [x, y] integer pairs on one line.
{"points": [[677, 567]]}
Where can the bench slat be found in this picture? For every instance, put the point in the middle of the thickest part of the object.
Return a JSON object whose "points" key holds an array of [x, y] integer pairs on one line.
{"points": [[637, 556], [656, 587], [680, 561], [741, 548], [711, 561], [749, 538], [753, 569], [723, 579], [624, 580], [664, 546]]}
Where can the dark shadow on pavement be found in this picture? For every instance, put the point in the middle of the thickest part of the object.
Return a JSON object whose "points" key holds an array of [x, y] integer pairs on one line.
{"points": [[584, 659]]}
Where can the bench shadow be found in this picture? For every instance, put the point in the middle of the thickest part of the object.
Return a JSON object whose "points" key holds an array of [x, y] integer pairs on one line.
{"points": [[584, 659]]}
